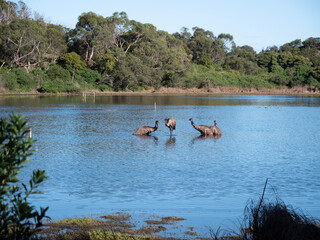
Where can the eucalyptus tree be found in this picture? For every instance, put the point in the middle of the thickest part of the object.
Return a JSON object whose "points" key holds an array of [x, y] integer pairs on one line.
{"points": [[242, 59], [184, 35], [267, 60], [94, 33], [145, 56], [7, 11], [205, 45], [178, 57], [293, 47], [28, 43], [126, 34], [228, 43], [310, 49], [20, 40], [55, 42], [201, 44], [139, 56], [10, 10]]}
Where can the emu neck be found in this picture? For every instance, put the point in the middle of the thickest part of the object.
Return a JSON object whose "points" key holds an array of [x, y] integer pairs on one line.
{"points": [[193, 124]]}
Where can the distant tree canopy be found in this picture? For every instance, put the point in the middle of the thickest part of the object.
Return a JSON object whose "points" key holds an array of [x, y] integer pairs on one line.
{"points": [[118, 53]]}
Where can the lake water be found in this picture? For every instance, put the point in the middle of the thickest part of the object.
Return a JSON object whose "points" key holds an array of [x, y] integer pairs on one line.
{"points": [[95, 165]]}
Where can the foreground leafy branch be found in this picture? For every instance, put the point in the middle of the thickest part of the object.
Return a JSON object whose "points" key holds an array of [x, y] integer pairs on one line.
{"points": [[18, 218]]}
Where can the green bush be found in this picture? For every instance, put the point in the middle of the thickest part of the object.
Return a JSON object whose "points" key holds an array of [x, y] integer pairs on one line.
{"points": [[58, 80], [58, 72], [135, 88], [57, 85], [171, 80], [39, 76], [10, 81], [202, 76], [72, 62], [19, 80], [19, 219], [105, 87], [90, 76], [24, 79]]}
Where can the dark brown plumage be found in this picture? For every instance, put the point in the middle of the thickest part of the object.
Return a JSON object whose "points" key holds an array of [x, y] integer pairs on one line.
{"points": [[146, 130], [207, 130], [171, 124]]}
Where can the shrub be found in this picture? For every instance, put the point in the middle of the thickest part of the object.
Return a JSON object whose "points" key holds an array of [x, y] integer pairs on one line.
{"points": [[105, 87], [278, 221], [19, 219], [135, 88], [57, 85], [72, 62], [23, 78], [90, 76], [10, 81], [57, 72], [275, 220], [19, 79]]}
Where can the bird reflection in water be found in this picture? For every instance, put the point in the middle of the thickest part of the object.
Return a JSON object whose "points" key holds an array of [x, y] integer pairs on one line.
{"points": [[208, 137], [148, 138], [205, 137], [171, 142]]}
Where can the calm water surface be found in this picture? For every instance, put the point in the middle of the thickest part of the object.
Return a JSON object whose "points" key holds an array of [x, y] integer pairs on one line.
{"points": [[96, 165]]}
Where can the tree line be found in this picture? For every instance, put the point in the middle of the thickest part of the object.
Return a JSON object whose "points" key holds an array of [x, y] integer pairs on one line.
{"points": [[116, 53]]}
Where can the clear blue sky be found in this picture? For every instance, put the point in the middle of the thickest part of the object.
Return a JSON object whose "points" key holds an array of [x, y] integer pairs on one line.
{"points": [[258, 23]]}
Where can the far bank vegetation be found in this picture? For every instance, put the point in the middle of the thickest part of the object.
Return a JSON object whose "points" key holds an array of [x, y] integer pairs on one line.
{"points": [[116, 53]]}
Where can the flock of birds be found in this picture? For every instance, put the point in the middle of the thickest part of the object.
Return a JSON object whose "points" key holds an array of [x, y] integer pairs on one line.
{"points": [[171, 124]]}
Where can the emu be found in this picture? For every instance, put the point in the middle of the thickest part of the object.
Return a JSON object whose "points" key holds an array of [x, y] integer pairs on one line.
{"points": [[146, 130], [216, 130], [171, 124], [207, 130]]}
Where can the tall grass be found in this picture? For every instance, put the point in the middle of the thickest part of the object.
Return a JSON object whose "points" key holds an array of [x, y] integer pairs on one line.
{"points": [[275, 220]]}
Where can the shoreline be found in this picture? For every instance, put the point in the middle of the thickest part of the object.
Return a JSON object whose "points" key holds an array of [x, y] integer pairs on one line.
{"points": [[230, 90]]}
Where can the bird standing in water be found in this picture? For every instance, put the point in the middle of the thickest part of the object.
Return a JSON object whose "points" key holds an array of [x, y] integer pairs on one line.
{"points": [[146, 130], [171, 124], [207, 130], [215, 129]]}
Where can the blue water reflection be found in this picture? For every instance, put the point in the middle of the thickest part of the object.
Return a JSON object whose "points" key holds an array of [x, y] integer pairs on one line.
{"points": [[95, 164]]}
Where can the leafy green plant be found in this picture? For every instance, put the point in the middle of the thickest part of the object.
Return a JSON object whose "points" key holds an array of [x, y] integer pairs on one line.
{"points": [[10, 81], [105, 87], [19, 219], [58, 72], [90, 76], [19, 80], [72, 62]]}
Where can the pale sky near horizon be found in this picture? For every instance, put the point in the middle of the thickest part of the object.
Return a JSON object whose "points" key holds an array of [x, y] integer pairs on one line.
{"points": [[257, 23]]}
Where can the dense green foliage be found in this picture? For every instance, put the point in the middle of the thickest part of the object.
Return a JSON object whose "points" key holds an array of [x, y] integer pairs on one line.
{"points": [[116, 53], [19, 219]]}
